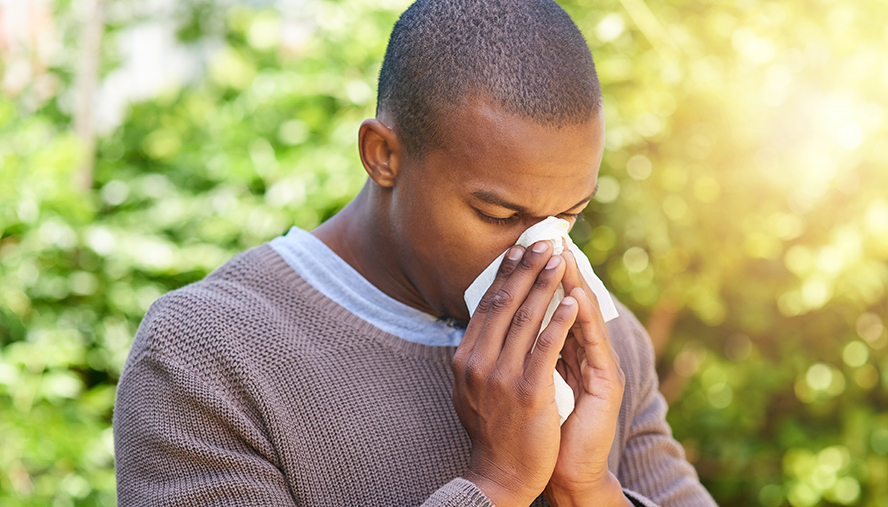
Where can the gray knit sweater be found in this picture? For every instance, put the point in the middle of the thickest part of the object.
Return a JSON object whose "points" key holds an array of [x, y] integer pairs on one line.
{"points": [[251, 388]]}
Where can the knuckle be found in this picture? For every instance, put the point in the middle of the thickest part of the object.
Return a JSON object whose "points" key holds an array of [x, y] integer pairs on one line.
{"points": [[474, 372], [484, 304], [527, 263], [544, 281], [501, 301], [562, 319], [499, 382], [522, 318], [545, 342], [506, 267]]}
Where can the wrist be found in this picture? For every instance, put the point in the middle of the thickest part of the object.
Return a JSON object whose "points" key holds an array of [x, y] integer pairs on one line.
{"points": [[501, 495], [607, 493]]}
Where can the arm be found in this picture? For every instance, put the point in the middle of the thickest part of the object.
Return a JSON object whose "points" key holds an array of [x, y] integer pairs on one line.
{"points": [[504, 395], [180, 442], [653, 464], [652, 469]]}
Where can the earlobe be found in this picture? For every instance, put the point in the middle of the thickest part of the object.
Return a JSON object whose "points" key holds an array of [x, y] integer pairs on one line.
{"points": [[380, 152]]}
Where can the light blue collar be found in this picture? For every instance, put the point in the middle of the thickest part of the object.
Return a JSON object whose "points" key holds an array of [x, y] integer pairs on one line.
{"points": [[336, 279]]}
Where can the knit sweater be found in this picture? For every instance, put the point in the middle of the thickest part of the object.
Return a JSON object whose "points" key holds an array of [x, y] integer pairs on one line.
{"points": [[251, 388]]}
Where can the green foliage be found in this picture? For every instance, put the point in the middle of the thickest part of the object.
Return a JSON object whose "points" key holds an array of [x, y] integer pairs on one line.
{"points": [[742, 197]]}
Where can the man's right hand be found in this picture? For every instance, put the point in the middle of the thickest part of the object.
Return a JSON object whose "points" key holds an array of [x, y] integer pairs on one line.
{"points": [[505, 396]]}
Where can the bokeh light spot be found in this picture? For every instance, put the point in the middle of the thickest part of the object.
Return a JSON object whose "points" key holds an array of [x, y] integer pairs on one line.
{"points": [[675, 207], [869, 327], [720, 395], [115, 192], [293, 132], [802, 494], [816, 292], [603, 238], [688, 361], [608, 189], [846, 490], [264, 32], [771, 495], [835, 457], [855, 354], [610, 27], [639, 167], [799, 259], [876, 218], [635, 259], [819, 376]]}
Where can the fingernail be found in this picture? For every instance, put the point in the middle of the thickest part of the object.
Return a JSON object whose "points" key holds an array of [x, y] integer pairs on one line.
{"points": [[540, 246], [515, 253], [553, 261], [568, 301]]}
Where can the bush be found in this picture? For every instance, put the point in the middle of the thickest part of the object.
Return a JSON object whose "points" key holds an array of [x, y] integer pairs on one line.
{"points": [[741, 211]]}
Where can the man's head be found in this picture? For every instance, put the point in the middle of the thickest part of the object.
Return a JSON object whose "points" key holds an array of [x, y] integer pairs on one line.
{"points": [[496, 123], [526, 56]]}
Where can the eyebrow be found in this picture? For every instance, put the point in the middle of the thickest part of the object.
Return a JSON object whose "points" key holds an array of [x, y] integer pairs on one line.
{"points": [[497, 200]]}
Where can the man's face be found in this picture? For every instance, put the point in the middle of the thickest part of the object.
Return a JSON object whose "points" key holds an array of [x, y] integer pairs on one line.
{"points": [[459, 207]]}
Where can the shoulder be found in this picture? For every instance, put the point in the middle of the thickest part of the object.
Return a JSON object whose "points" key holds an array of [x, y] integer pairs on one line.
{"points": [[232, 311], [252, 311]]}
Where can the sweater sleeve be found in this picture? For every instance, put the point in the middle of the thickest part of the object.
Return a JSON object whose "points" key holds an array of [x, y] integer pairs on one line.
{"points": [[458, 493], [653, 470], [179, 442]]}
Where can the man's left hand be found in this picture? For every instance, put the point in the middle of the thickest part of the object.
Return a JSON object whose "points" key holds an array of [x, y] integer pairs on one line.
{"points": [[591, 367]]}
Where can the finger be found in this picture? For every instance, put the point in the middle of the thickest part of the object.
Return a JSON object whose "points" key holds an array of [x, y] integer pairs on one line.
{"points": [[511, 260], [545, 356], [573, 279], [574, 376], [500, 309], [476, 323], [593, 335], [528, 319]]}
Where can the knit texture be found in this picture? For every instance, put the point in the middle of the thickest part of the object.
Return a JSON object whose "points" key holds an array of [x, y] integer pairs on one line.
{"points": [[251, 388]]}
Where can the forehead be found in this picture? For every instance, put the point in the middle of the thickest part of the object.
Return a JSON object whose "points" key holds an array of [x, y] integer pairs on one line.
{"points": [[547, 169]]}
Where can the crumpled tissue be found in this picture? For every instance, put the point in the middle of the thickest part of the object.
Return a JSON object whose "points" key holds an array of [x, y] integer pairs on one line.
{"points": [[553, 229]]}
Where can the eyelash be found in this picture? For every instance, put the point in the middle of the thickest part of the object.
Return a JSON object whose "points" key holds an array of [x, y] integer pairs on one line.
{"points": [[498, 221], [508, 220]]}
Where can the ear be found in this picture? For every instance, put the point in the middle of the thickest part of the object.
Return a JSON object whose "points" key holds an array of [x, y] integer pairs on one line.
{"points": [[380, 152]]}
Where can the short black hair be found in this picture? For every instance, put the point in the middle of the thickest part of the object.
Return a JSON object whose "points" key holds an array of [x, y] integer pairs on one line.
{"points": [[526, 55]]}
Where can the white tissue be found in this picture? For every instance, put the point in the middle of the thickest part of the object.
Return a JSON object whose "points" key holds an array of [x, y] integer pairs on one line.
{"points": [[552, 229]]}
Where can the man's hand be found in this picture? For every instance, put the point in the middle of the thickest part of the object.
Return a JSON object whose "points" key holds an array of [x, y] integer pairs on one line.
{"points": [[591, 367], [504, 396]]}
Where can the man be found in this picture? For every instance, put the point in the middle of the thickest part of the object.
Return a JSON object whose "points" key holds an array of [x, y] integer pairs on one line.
{"points": [[323, 368]]}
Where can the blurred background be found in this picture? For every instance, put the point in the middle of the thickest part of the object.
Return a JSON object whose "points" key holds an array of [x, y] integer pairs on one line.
{"points": [[742, 211]]}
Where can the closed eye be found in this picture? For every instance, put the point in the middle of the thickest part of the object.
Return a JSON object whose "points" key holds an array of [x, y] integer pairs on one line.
{"points": [[497, 220], [570, 217]]}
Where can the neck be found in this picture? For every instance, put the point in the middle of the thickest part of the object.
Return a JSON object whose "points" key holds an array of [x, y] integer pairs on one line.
{"points": [[360, 234]]}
